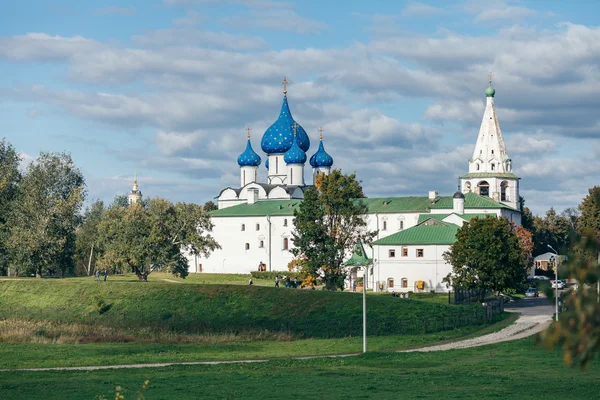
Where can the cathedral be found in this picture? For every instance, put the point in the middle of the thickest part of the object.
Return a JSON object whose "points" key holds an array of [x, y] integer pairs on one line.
{"points": [[254, 221]]}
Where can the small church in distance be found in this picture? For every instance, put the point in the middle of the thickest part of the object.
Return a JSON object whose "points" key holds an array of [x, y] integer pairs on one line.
{"points": [[254, 221]]}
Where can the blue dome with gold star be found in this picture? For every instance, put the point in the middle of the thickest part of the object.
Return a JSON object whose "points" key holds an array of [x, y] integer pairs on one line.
{"points": [[321, 158], [249, 158], [295, 155], [280, 136]]}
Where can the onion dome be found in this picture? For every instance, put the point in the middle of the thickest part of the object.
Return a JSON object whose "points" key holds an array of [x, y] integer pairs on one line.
{"points": [[458, 195], [295, 155], [279, 137], [490, 91], [312, 161], [321, 158], [249, 158]]}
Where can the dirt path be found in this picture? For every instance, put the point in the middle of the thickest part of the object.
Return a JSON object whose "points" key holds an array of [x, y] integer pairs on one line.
{"points": [[171, 281], [535, 316]]}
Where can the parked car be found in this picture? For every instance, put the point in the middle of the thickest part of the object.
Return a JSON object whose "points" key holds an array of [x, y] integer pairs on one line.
{"points": [[541, 278], [531, 292], [560, 284]]}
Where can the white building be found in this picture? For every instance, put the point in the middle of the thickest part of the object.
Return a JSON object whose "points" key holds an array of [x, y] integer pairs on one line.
{"points": [[135, 195], [254, 222]]}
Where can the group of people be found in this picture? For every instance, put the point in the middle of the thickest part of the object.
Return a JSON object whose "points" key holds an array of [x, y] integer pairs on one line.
{"points": [[289, 283], [104, 273]]}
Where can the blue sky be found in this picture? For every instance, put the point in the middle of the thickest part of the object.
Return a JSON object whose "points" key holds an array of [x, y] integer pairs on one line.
{"points": [[167, 87]]}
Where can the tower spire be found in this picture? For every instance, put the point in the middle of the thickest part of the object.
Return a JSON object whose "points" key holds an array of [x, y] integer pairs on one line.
{"points": [[321, 133]]}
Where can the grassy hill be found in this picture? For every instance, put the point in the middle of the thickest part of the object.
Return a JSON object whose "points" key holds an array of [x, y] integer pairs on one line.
{"points": [[202, 309]]}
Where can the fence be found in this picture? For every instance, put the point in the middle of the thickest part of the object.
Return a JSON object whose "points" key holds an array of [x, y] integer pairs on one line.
{"points": [[307, 327]]}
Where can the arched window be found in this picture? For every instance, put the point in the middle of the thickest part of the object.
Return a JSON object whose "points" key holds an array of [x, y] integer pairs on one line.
{"points": [[276, 165], [504, 191], [467, 186], [285, 222], [401, 224], [286, 243], [390, 283], [493, 166], [384, 226], [492, 151], [484, 188], [243, 227], [258, 227], [404, 283], [247, 246], [477, 167], [261, 244]]}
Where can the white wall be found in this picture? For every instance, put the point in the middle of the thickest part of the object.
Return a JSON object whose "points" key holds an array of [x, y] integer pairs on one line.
{"points": [[431, 268]]}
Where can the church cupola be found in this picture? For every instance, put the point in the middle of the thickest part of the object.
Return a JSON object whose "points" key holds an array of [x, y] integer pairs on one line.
{"points": [[490, 168], [294, 159], [248, 162], [135, 195], [279, 138], [321, 161]]}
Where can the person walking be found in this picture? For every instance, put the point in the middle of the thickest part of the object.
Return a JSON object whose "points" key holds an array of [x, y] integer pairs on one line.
{"points": [[105, 274], [276, 280], [288, 283], [97, 275], [354, 286], [250, 283], [295, 282]]}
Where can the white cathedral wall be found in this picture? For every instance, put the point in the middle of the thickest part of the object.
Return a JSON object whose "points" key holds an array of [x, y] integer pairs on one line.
{"points": [[430, 268]]}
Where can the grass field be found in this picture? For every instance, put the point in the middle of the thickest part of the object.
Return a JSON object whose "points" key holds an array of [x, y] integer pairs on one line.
{"points": [[512, 370], [216, 308]]}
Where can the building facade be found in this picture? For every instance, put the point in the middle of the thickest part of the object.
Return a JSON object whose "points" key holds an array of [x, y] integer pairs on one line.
{"points": [[254, 222]]}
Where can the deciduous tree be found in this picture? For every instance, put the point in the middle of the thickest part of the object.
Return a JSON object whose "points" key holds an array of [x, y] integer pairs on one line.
{"points": [[86, 242], [486, 256], [46, 214], [9, 180], [328, 223]]}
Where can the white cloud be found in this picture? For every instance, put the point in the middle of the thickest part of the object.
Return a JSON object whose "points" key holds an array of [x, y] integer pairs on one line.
{"points": [[222, 41], [115, 10], [421, 10], [278, 19], [510, 13]]}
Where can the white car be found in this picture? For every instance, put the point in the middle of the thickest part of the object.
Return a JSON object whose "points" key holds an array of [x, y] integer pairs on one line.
{"points": [[560, 284], [541, 278]]}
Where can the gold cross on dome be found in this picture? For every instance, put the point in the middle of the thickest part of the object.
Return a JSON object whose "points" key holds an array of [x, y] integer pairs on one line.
{"points": [[490, 75], [248, 129], [284, 82], [321, 133]]}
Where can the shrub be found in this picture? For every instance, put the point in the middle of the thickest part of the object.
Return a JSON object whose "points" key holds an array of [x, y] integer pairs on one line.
{"points": [[271, 274]]}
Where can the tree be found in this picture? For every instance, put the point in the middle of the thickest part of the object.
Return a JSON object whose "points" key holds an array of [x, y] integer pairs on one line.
{"points": [[210, 206], [486, 256], [572, 214], [525, 242], [554, 230], [526, 216], [153, 237], [328, 224], [45, 216], [86, 242], [578, 327], [9, 181], [590, 213]]}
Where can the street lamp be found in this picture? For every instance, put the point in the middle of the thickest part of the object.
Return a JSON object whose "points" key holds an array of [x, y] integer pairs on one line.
{"points": [[555, 277]]}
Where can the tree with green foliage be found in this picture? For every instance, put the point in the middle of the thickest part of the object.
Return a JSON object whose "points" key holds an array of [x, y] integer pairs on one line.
{"points": [[526, 216], [46, 215], [210, 206], [86, 242], [554, 230], [590, 213], [486, 256], [146, 238], [328, 224], [9, 181]]}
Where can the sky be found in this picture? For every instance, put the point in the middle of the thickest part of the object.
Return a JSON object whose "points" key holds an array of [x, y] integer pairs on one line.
{"points": [[167, 87]]}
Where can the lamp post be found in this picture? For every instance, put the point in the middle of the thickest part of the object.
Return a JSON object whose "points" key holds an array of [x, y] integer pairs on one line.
{"points": [[555, 278], [365, 309]]}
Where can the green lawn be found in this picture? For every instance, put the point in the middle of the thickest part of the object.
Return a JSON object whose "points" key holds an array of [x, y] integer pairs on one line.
{"points": [[201, 309], [512, 370]]}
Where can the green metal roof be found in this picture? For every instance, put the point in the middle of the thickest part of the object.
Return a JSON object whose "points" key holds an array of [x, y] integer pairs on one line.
{"points": [[472, 200], [259, 209], [421, 234], [378, 205], [471, 175], [440, 217], [359, 257]]}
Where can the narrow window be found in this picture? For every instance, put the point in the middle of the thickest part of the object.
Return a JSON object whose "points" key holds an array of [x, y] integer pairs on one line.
{"points": [[261, 244], [276, 165], [401, 225], [247, 246], [477, 166], [390, 283], [384, 226], [243, 227], [291, 176], [420, 252], [392, 253], [244, 175], [405, 252], [493, 166], [285, 222], [404, 282], [286, 243], [492, 151], [258, 227]]}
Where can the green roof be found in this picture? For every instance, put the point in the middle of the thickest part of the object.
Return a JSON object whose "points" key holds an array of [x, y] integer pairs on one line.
{"points": [[259, 209], [378, 205], [472, 200], [440, 217], [359, 257], [421, 234], [490, 175]]}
